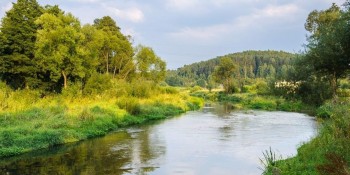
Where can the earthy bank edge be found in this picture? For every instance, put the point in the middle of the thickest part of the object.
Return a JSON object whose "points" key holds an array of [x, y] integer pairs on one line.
{"points": [[328, 153], [49, 124]]}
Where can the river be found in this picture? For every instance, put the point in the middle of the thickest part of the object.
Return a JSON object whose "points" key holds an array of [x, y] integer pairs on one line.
{"points": [[214, 141]]}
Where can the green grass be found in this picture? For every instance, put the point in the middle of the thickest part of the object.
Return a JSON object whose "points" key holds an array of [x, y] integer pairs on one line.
{"points": [[29, 122]]}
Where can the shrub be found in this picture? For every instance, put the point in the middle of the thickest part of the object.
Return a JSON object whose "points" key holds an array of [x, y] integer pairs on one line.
{"points": [[130, 104], [142, 88], [73, 90], [97, 84]]}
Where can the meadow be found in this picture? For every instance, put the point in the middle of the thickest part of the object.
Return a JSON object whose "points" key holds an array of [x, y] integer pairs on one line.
{"points": [[31, 121]]}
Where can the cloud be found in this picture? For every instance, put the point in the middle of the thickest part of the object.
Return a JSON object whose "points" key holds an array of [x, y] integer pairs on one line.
{"points": [[132, 14], [88, 1], [258, 18], [268, 14], [182, 4]]}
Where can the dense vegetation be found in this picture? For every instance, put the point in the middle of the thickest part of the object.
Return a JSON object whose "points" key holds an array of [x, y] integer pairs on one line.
{"points": [[63, 82], [46, 48], [249, 65]]}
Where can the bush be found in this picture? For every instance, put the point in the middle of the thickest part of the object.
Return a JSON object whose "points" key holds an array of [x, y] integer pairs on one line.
{"points": [[73, 90], [130, 104], [141, 88], [262, 88], [97, 84], [325, 111]]}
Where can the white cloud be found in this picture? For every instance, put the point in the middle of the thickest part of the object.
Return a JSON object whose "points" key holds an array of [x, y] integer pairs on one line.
{"points": [[201, 33], [88, 1], [258, 18], [132, 14], [183, 4], [270, 13]]}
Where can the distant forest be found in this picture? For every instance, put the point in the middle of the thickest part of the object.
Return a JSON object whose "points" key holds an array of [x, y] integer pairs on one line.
{"points": [[249, 65]]}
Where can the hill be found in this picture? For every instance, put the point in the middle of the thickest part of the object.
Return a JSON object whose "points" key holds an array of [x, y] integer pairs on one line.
{"points": [[251, 65]]}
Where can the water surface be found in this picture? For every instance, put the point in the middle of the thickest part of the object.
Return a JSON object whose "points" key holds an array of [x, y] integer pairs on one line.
{"points": [[213, 141]]}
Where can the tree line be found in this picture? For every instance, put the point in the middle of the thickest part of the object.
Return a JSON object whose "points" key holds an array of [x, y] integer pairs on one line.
{"points": [[249, 65], [48, 49]]}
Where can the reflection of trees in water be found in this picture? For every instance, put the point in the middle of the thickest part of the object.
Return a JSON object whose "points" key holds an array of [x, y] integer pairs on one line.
{"points": [[222, 110], [117, 153]]}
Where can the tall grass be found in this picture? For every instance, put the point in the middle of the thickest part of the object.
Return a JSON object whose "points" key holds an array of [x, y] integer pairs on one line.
{"points": [[30, 121]]}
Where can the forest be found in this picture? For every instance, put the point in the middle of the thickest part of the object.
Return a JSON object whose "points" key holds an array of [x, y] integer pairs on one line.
{"points": [[48, 49], [250, 65]]}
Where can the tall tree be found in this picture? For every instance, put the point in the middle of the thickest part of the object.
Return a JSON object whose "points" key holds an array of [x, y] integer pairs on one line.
{"points": [[18, 39], [149, 65], [224, 73], [59, 47], [117, 52], [325, 48]]}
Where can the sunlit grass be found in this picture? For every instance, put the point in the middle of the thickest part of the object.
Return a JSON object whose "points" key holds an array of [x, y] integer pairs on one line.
{"points": [[29, 121]]}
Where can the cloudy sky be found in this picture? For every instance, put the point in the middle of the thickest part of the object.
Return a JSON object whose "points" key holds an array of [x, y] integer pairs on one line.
{"points": [[186, 31]]}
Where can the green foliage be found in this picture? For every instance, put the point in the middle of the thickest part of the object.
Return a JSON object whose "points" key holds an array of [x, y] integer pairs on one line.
{"points": [[223, 74], [59, 50], [270, 161], [75, 90], [329, 152], [18, 34], [130, 104], [141, 88], [150, 66], [195, 103], [327, 48], [249, 65], [97, 84]]}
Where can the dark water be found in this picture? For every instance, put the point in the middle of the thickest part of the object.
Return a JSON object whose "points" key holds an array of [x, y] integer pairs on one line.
{"points": [[213, 141]]}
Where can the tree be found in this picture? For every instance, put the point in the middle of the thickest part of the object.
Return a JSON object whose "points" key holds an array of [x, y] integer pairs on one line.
{"points": [[18, 35], [325, 48], [59, 49], [223, 73], [116, 53], [149, 65]]}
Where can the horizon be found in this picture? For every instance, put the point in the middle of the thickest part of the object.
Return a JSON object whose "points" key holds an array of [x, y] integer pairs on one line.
{"points": [[214, 28]]}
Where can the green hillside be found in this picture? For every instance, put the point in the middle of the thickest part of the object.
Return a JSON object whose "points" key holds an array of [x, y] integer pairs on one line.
{"points": [[251, 64]]}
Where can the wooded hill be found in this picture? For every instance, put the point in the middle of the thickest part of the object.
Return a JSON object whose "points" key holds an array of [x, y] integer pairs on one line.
{"points": [[250, 65]]}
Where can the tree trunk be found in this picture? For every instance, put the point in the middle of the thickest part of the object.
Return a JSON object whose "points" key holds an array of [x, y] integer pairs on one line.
{"points": [[114, 71], [334, 83], [107, 65], [64, 79]]}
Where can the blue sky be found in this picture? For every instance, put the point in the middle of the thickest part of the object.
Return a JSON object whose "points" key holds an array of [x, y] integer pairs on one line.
{"points": [[186, 31]]}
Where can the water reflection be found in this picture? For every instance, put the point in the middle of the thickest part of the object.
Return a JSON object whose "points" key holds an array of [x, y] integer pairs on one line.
{"points": [[126, 152], [222, 110], [216, 140]]}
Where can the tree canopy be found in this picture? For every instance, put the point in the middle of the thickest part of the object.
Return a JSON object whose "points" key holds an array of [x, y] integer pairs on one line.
{"points": [[46, 48]]}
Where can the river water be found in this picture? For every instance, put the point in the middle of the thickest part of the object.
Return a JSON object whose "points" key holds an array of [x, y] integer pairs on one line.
{"points": [[214, 141]]}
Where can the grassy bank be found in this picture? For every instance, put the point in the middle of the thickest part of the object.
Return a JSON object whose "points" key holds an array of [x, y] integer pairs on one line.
{"points": [[329, 152], [29, 121], [256, 101]]}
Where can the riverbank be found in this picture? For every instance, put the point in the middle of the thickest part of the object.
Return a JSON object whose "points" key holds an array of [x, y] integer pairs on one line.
{"points": [[326, 154], [255, 101], [329, 152], [29, 122]]}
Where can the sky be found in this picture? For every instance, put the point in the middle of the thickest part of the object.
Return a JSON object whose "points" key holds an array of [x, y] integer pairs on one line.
{"points": [[187, 31]]}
